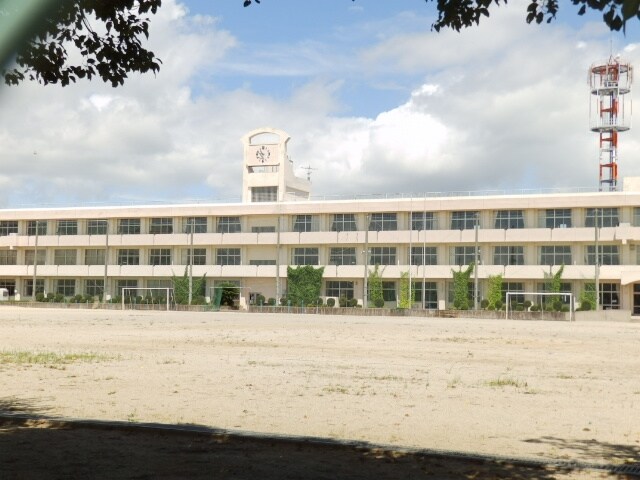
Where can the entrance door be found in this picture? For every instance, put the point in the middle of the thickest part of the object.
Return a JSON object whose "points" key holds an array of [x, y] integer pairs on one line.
{"points": [[636, 298]]}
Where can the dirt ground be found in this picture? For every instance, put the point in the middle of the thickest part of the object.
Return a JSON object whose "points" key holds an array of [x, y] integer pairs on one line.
{"points": [[542, 390]]}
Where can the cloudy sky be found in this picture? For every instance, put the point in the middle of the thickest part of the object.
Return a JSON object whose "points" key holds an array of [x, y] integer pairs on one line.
{"points": [[373, 100]]}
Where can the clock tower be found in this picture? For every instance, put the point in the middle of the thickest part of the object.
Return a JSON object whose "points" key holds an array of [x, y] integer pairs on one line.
{"points": [[268, 171]]}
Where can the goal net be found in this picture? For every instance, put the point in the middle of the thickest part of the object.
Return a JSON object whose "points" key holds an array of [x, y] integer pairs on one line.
{"points": [[542, 299], [147, 297]]}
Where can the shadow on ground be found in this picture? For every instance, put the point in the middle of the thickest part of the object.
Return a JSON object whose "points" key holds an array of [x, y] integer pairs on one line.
{"points": [[615, 453], [34, 447]]}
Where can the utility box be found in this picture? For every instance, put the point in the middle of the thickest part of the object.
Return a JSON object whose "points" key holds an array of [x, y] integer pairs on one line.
{"points": [[4, 294]]}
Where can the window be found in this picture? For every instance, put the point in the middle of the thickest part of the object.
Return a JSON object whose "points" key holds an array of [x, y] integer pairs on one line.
{"points": [[264, 194], [430, 294], [93, 287], [382, 256], [197, 224], [381, 222], [565, 287], [94, 256], [163, 225], [464, 255], [67, 227], [31, 227], [513, 287], [129, 226], [508, 255], [339, 289], [160, 256], [424, 256], [607, 255], [199, 256], [465, 220], [66, 287], [636, 217], [228, 225], [120, 284], [606, 217], [228, 256], [509, 219], [609, 296], [7, 227], [342, 256], [28, 257], [265, 229], [344, 222], [160, 284], [557, 218], [28, 287], [305, 223], [422, 221], [389, 291], [128, 256], [65, 257], [262, 262], [555, 255], [97, 227], [8, 257], [305, 256]]}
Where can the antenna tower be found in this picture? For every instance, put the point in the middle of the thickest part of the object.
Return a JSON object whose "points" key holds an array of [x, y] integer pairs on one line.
{"points": [[609, 83], [309, 169]]}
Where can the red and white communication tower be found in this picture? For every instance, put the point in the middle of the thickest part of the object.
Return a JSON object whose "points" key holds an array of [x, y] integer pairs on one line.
{"points": [[609, 83]]}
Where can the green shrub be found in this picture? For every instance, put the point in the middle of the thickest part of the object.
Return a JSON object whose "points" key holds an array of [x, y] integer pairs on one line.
{"points": [[40, 297], [535, 308], [527, 304], [519, 307], [564, 308], [198, 300], [353, 302], [260, 300], [319, 302], [379, 303], [585, 305], [342, 301], [331, 302], [283, 301], [491, 307], [271, 302], [484, 304], [58, 298], [87, 298], [50, 297], [116, 299], [499, 304], [557, 305], [77, 299]]}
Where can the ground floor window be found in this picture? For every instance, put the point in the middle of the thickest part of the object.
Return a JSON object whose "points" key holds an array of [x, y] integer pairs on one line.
{"points": [[28, 287], [93, 287], [389, 291], [513, 287], [430, 294], [10, 285], [609, 298], [159, 284], [66, 287], [565, 287], [120, 284], [339, 289]]}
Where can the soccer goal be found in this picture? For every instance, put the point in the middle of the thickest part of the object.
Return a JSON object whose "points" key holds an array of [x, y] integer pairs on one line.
{"points": [[561, 295], [155, 292]]}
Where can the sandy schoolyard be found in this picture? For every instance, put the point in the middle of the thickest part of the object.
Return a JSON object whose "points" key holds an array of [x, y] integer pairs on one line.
{"points": [[537, 389]]}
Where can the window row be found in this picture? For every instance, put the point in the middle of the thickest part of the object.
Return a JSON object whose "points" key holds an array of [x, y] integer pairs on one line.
{"points": [[382, 255], [339, 222]]}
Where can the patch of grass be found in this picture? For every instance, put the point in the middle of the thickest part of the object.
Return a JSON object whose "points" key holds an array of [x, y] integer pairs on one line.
{"points": [[506, 382], [48, 358], [336, 389], [454, 382]]}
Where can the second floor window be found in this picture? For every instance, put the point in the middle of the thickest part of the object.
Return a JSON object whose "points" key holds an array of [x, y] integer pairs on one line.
{"points": [[67, 227], [65, 257], [94, 256], [199, 256], [228, 256], [424, 256], [382, 256], [305, 223], [508, 255], [381, 222], [555, 255], [162, 225], [129, 226], [342, 256], [344, 222], [28, 257], [195, 224], [305, 256], [607, 255], [423, 221], [128, 256], [509, 219], [160, 256], [228, 225], [8, 257], [465, 255]]}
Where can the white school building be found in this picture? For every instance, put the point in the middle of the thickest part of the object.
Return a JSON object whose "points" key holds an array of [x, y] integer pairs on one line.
{"points": [[89, 250]]}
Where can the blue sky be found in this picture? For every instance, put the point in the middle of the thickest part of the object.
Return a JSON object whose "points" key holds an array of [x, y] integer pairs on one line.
{"points": [[372, 98]]}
